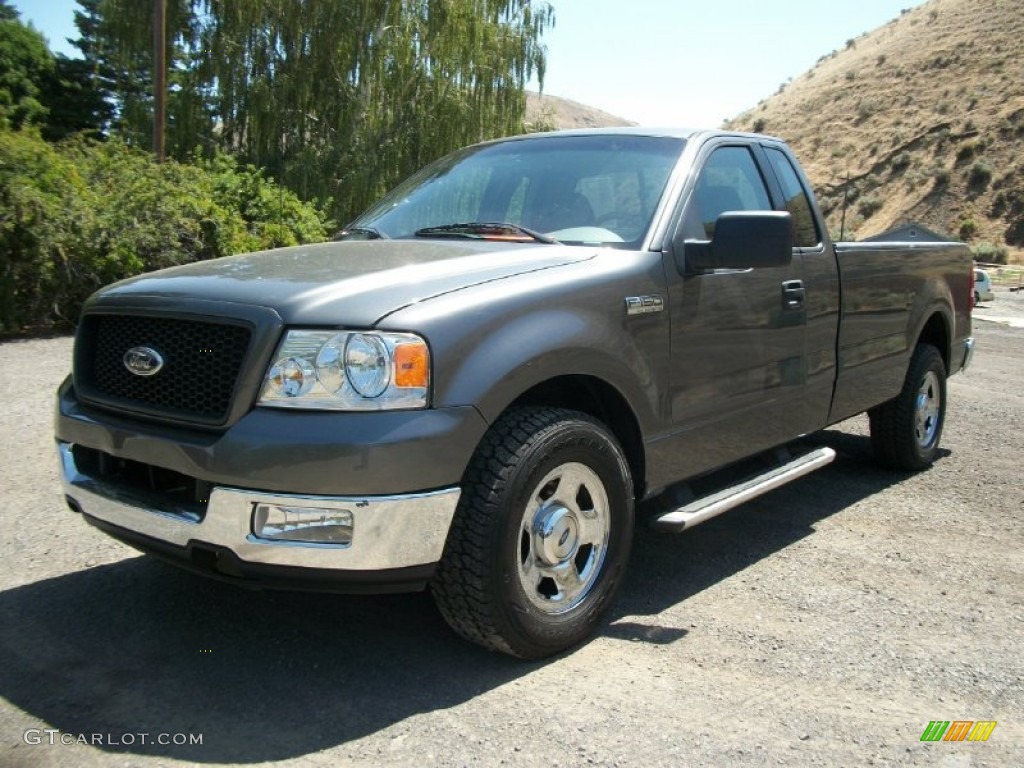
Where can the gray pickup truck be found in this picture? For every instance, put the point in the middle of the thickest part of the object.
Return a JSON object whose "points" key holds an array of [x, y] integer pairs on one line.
{"points": [[497, 367]]}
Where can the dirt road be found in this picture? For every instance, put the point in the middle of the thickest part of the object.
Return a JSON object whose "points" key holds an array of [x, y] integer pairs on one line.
{"points": [[825, 624]]}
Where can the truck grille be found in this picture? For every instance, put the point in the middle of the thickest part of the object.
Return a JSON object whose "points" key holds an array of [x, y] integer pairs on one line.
{"points": [[201, 364]]}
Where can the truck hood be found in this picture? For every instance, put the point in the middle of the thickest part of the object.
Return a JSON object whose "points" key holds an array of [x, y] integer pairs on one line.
{"points": [[344, 283]]}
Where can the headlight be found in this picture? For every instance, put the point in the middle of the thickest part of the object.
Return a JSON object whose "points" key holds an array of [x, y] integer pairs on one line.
{"points": [[348, 371]]}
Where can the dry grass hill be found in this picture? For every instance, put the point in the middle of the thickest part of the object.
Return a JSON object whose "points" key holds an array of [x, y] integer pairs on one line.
{"points": [[925, 115], [545, 112]]}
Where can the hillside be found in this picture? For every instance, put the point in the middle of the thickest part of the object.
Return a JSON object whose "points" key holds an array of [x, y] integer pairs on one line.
{"points": [[552, 112], [926, 117]]}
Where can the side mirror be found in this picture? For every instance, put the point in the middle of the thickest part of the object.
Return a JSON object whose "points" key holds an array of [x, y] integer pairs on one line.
{"points": [[742, 240]]}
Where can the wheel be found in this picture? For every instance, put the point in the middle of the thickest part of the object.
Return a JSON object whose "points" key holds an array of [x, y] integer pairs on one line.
{"points": [[541, 535], [977, 298], [905, 431]]}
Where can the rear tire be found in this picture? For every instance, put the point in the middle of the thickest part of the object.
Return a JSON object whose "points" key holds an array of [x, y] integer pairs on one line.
{"points": [[541, 536], [905, 431]]}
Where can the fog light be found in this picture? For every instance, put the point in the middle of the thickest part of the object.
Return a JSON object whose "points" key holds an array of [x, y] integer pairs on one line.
{"points": [[313, 525]]}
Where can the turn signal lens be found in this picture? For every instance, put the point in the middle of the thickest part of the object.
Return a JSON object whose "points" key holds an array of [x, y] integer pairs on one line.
{"points": [[411, 365]]}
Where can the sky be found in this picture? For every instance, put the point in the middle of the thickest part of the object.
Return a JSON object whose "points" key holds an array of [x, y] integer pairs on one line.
{"points": [[687, 63]]}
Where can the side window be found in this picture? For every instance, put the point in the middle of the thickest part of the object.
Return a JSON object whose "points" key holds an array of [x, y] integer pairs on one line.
{"points": [[805, 231], [729, 181]]}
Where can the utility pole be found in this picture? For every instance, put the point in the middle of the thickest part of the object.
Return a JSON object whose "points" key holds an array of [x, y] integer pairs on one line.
{"points": [[846, 198], [159, 76]]}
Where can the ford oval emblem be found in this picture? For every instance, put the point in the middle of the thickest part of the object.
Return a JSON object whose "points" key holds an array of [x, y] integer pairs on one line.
{"points": [[143, 361]]}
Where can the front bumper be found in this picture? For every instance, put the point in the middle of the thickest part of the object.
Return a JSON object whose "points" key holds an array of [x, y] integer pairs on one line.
{"points": [[396, 540]]}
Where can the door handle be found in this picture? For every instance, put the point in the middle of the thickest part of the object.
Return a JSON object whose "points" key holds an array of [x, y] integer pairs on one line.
{"points": [[793, 294]]}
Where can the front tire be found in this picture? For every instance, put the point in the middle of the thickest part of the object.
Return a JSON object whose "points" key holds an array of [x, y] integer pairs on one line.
{"points": [[905, 431], [541, 536]]}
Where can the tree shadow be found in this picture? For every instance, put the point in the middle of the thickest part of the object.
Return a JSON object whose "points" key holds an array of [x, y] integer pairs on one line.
{"points": [[139, 647]]}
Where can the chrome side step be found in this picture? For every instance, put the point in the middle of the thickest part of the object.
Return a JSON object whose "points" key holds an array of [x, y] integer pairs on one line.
{"points": [[696, 512]]}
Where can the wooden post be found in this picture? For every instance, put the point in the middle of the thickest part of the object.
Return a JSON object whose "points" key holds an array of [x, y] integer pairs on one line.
{"points": [[159, 76]]}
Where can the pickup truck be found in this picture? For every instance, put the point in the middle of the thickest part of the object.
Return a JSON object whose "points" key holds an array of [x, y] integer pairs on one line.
{"points": [[487, 377]]}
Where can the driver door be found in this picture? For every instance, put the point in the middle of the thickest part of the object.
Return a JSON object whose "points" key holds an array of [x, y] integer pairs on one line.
{"points": [[738, 366]]}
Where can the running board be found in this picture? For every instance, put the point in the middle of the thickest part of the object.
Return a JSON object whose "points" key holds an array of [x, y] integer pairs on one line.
{"points": [[698, 511]]}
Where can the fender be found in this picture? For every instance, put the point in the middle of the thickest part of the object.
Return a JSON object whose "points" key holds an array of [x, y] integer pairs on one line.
{"points": [[493, 342]]}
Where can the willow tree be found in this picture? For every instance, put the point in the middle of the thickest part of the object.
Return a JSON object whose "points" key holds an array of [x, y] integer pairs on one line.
{"points": [[339, 99]]}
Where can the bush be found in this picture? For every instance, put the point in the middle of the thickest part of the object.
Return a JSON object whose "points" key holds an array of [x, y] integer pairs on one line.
{"points": [[869, 207], [901, 162], [79, 215], [986, 253], [968, 229], [865, 109], [967, 151], [980, 175]]}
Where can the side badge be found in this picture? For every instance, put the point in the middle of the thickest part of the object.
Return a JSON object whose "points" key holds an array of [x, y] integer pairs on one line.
{"points": [[644, 305]]}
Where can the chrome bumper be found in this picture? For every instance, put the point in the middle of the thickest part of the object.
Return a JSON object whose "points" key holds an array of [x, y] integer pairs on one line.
{"points": [[387, 532]]}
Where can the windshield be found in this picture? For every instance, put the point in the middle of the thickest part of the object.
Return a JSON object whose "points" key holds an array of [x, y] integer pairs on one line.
{"points": [[580, 190]]}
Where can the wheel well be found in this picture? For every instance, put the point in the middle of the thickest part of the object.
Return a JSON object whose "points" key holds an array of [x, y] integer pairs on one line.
{"points": [[602, 401], [936, 333]]}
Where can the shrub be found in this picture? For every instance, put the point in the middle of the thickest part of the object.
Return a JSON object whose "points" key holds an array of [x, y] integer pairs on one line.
{"points": [[1015, 232], [966, 151], [869, 206], [980, 175], [901, 162], [79, 215], [990, 254], [865, 109], [941, 178], [968, 229]]}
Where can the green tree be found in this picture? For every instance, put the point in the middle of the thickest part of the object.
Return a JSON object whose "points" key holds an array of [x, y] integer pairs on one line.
{"points": [[338, 100], [25, 62], [73, 102]]}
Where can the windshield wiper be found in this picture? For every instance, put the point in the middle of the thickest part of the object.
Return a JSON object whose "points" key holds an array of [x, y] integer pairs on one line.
{"points": [[360, 233], [487, 230]]}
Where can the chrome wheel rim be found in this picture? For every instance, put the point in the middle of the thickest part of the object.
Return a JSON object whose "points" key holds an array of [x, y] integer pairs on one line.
{"points": [[563, 538], [927, 409]]}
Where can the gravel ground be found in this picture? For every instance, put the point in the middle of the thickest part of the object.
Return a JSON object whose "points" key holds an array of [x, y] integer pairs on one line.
{"points": [[824, 624]]}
